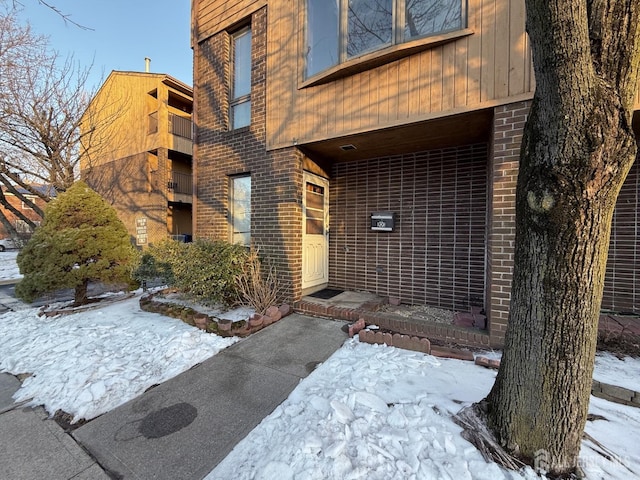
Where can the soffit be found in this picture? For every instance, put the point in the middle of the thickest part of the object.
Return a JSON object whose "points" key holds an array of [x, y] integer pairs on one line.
{"points": [[455, 130]]}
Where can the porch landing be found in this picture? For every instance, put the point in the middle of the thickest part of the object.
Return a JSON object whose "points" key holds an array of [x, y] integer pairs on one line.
{"points": [[456, 328], [452, 329]]}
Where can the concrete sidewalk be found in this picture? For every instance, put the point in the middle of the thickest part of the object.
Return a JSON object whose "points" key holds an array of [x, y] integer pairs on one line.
{"points": [[35, 447], [184, 427]]}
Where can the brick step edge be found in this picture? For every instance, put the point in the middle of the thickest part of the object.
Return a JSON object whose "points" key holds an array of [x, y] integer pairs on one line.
{"points": [[446, 333], [416, 344], [615, 394], [487, 362], [606, 391], [212, 324]]}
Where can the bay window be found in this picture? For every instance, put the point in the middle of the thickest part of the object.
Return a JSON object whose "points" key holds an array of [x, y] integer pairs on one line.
{"points": [[340, 30]]}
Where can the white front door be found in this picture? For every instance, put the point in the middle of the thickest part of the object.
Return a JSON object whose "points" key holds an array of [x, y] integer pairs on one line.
{"points": [[315, 231]]}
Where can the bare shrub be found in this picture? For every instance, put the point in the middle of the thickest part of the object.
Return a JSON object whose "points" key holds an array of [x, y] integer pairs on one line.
{"points": [[258, 283]]}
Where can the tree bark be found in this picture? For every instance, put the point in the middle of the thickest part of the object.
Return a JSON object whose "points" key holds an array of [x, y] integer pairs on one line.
{"points": [[577, 149], [81, 293]]}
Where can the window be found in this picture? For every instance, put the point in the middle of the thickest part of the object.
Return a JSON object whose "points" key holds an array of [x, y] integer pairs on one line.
{"points": [[322, 35], [240, 103], [240, 202], [26, 206], [314, 209], [369, 25], [340, 30], [24, 227]]}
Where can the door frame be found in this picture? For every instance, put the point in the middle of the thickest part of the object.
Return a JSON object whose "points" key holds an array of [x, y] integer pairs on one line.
{"points": [[314, 285]]}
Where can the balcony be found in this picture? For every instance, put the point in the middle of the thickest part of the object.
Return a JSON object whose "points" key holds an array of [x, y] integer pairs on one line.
{"points": [[180, 126], [180, 187], [181, 130]]}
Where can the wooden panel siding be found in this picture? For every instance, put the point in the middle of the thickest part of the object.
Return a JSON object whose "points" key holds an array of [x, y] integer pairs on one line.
{"points": [[210, 17], [490, 67]]}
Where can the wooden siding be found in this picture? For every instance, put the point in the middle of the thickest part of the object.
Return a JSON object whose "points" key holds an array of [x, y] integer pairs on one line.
{"points": [[487, 68], [210, 17], [119, 117], [490, 67]]}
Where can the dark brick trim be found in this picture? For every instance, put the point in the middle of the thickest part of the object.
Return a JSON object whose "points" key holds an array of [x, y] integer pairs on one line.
{"points": [[397, 324]]}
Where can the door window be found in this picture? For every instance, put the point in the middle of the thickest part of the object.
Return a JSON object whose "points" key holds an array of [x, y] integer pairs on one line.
{"points": [[315, 209]]}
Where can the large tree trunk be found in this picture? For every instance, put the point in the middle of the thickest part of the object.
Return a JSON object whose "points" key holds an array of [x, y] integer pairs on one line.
{"points": [[577, 149]]}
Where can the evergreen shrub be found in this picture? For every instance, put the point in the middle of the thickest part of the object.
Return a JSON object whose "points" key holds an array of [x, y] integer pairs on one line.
{"points": [[81, 240], [205, 269]]}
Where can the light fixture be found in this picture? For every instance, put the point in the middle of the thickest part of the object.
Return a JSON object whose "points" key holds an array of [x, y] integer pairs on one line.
{"points": [[347, 147]]}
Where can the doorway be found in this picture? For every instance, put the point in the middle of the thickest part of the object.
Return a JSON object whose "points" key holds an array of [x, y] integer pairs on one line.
{"points": [[315, 231]]}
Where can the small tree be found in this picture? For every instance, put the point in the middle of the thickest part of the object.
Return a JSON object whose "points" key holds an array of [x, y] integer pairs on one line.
{"points": [[80, 240]]}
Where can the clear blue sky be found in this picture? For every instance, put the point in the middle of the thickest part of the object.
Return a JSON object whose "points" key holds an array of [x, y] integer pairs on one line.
{"points": [[123, 33]]}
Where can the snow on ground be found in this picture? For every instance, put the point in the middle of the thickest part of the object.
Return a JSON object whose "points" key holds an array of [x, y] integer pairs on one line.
{"points": [[8, 267], [623, 372], [377, 412], [368, 412], [218, 311], [90, 362]]}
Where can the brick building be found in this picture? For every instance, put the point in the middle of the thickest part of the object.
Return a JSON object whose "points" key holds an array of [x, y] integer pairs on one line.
{"points": [[375, 150], [22, 228], [138, 155]]}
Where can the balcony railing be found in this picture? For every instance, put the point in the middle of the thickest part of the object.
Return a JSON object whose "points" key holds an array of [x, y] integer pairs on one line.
{"points": [[180, 183], [180, 126]]}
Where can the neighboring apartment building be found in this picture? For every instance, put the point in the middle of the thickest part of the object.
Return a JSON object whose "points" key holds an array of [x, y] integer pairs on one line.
{"points": [[137, 135], [22, 228], [373, 146]]}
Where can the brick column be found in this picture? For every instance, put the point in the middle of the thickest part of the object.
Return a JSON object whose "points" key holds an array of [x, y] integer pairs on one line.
{"points": [[276, 175], [508, 124]]}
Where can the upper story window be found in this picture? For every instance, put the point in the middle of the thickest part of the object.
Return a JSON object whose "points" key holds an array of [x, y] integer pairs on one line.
{"points": [[340, 30], [240, 102]]}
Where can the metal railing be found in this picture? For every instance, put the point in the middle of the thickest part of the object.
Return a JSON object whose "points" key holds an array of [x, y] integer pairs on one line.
{"points": [[180, 126], [180, 183]]}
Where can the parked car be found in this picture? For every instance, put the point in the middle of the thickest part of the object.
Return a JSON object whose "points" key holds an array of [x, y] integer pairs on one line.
{"points": [[6, 243]]}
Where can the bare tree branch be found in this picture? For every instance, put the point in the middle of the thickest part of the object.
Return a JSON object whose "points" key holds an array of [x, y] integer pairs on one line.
{"points": [[44, 101], [66, 17]]}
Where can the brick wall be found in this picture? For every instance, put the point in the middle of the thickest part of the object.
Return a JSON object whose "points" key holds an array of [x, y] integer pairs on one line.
{"points": [[436, 254], [276, 176], [16, 203], [508, 124], [623, 267], [622, 279], [443, 267]]}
